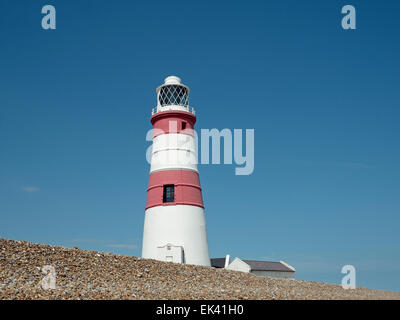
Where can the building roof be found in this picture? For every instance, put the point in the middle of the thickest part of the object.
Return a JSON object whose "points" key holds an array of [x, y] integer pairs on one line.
{"points": [[267, 266], [218, 262], [256, 265]]}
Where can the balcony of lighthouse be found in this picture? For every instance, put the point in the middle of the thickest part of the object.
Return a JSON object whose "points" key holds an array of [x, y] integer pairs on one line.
{"points": [[172, 107]]}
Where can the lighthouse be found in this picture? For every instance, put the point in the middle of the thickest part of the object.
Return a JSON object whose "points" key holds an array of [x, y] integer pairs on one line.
{"points": [[174, 225]]}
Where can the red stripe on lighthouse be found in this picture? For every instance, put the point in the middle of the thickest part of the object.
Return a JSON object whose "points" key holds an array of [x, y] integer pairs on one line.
{"points": [[187, 188], [173, 121]]}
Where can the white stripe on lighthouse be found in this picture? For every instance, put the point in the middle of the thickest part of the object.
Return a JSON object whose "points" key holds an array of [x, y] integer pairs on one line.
{"points": [[174, 151]]}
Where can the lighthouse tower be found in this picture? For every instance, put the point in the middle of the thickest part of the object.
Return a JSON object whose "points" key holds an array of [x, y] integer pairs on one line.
{"points": [[174, 226]]}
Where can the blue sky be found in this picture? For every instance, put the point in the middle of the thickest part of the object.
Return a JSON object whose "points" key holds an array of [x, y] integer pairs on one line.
{"points": [[75, 107]]}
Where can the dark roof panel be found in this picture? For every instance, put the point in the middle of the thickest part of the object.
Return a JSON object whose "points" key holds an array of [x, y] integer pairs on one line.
{"points": [[267, 266], [218, 262], [255, 265]]}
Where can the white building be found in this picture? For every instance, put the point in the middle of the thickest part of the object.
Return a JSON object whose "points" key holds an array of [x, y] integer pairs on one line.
{"points": [[260, 268]]}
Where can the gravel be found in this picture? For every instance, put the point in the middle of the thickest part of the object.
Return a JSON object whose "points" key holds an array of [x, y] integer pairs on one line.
{"points": [[84, 274]]}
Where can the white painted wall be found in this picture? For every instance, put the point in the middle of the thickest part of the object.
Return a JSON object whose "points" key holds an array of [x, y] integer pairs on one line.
{"points": [[174, 151], [181, 225], [238, 265], [170, 253], [274, 274]]}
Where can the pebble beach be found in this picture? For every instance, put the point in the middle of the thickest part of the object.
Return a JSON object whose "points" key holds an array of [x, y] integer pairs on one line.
{"points": [[85, 274]]}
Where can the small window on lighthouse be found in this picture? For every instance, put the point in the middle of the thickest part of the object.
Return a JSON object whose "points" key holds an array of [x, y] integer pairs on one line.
{"points": [[168, 194], [183, 125]]}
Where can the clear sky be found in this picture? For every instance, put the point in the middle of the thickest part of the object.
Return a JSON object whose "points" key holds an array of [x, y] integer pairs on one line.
{"points": [[75, 106]]}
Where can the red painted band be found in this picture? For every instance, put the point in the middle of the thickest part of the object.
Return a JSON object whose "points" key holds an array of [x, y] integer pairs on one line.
{"points": [[176, 203], [173, 121], [187, 188], [176, 184]]}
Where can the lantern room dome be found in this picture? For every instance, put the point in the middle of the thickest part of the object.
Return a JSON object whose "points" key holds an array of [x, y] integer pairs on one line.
{"points": [[172, 80]]}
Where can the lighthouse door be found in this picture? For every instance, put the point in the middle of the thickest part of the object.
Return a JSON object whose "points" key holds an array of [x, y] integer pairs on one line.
{"points": [[170, 253]]}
